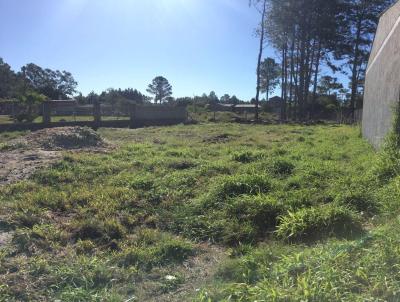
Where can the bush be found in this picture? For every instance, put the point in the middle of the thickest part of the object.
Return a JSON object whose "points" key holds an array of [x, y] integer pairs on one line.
{"points": [[25, 117], [319, 222]]}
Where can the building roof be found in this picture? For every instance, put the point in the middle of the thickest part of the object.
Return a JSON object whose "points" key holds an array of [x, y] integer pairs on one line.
{"points": [[245, 106], [225, 105]]}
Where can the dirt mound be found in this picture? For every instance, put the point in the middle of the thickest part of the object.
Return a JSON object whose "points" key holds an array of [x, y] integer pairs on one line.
{"points": [[65, 138], [21, 157]]}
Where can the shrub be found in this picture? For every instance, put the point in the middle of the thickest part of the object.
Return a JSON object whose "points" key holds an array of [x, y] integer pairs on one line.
{"points": [[25, 117], [318, 222]]}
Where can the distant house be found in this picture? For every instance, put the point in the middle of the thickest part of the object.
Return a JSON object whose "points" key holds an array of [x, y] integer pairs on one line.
{"points": [[221, 107], [382, 83], [244, 108], [236, 108]]}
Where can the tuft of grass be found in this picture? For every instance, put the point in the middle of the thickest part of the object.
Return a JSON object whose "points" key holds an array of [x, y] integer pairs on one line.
{"points": [[231, 186], [282, 167], [247, 156], [319, 222]]}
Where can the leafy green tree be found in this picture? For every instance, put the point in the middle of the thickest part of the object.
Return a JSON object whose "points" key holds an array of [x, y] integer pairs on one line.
{"points": [[357, 24], [8, 80], [160, 88], [303, 31], [53, 84], [213, 98], [234, 100], [28, 101], [270, 75], [328, 85], [225, 99]]}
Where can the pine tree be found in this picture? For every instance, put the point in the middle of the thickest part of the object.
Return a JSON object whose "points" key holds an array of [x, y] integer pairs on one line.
{"points": [[160, 88]]}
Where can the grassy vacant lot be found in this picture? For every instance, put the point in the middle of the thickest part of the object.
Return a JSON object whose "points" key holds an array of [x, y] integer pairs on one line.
{"points": [[291, 213]]}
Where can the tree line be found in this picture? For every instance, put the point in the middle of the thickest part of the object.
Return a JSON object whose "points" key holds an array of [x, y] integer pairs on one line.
{"points": [[33, 79], [34, 84], [309, 34]]}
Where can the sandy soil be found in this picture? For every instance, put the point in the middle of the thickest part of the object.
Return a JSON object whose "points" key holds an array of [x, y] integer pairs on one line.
{"points": [[19, 164], [196, 272], [23, 156]]}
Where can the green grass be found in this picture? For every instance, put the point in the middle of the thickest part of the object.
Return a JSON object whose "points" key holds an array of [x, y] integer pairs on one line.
{"points": [[8, 136], [301, 213], [5, 119], [204, 116]]}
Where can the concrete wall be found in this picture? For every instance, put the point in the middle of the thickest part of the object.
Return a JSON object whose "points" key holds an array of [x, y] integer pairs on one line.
{"points": [[141, 116], [382, 86], [159, 112]]}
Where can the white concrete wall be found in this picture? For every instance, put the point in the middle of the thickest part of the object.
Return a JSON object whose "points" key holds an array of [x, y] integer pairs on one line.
{"points": [[382, 86]]}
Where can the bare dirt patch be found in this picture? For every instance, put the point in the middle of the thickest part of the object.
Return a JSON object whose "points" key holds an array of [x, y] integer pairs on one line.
{"points": [[219, 139], [196, 272], [21, 157]]}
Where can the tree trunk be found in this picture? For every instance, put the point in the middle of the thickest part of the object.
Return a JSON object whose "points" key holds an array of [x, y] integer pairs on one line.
{"points": [[314, 97], [309, 66], [283, 106], [301, 79], [354, 70], [291, 79], [260, 53]]}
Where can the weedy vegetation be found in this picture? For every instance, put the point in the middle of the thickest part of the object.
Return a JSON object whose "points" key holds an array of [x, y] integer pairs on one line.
{"points": [[298, 213]]}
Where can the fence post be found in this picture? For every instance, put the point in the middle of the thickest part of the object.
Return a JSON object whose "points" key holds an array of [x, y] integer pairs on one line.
{"points": [[96, 113], [46, 112], [132, 111]]}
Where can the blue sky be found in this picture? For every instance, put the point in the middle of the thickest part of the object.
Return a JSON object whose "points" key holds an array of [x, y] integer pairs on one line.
{"points": [[199, 45]]}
